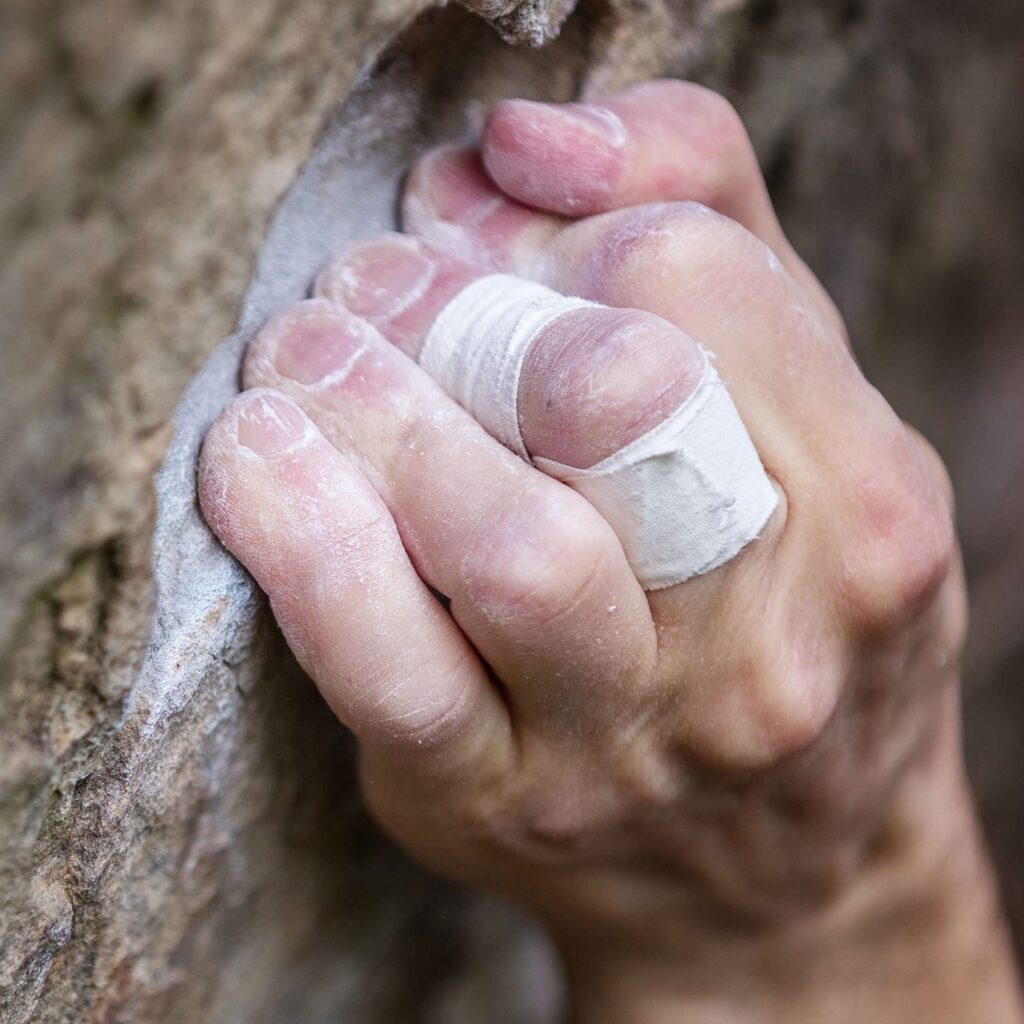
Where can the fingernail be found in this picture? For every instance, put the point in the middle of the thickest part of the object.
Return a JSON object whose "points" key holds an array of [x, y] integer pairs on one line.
{"points": [[595, 121], [455, 185], [598, 121], [315, 341], [268, 424], [381, 278]]}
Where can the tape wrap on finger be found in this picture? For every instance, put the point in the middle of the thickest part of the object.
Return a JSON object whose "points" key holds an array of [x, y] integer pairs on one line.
{"points": [[684, 498]]}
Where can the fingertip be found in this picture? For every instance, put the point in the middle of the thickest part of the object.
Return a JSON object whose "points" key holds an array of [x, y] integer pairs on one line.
{"points": [[319, 540], [452, 201], [598, 379], [563, 158], [448, 183], [259, 424], [212, 475]]}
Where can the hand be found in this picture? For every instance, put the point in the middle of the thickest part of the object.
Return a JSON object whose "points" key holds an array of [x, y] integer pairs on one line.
{"points": [[738, 798]]}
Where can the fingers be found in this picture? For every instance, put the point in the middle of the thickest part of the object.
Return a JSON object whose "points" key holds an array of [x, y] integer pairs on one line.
{"points": [[450, 199], [823, 432], [662, 140], [596, 379], [530, 570], [398, 283], [318, 539], [863, 537], [572, 386], [591, 383], [655, 142], [790, 374]]}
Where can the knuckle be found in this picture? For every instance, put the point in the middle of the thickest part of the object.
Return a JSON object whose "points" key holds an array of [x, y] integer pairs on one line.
{"points": [[773, 698], [789, 698], [552, 824], [552, 827], [722, 125], [536, 561], [903, 546], [649, 777], [422, 710], [649, 250]]}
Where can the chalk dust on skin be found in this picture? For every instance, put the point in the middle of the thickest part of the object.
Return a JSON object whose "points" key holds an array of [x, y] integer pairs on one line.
{"points": [[414, 97]]}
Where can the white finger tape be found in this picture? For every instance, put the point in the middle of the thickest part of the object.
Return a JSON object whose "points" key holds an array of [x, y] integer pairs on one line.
{"points": [[684, 498], [476, 347]]}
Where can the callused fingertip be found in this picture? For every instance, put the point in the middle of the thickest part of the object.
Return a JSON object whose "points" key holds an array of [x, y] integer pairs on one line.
{"points": [[559, 157], [380, 277], [319, 345], [214, 470], [267, 423], [450, 184], [395, 284], [513, 122]]}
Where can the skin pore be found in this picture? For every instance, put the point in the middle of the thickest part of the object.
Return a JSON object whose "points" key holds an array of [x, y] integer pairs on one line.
{"points": [[737, 799]]}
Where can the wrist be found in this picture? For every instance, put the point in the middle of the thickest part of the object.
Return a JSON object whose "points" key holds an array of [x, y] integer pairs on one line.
{"points": [[914, 934]]}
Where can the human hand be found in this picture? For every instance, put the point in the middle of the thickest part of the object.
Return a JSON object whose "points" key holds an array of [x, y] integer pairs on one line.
{"points": [[739, 797]]}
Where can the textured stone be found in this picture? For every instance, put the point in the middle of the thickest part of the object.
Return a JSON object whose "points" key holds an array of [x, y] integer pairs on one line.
{"points": [[181, 837]]}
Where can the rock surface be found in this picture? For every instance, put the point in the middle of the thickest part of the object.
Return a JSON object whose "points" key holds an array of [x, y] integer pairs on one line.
{"points": [[181, 837]]}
